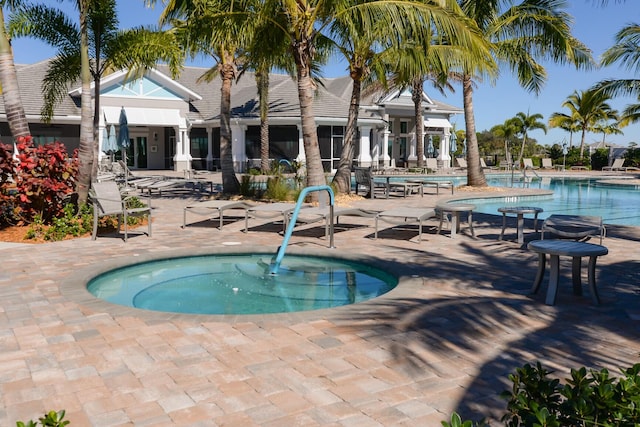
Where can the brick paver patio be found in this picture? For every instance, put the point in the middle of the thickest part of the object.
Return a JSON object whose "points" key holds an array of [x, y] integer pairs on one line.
{"points": [[444, 340]]}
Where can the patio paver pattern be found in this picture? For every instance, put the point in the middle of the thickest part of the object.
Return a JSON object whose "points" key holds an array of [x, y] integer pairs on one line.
{"points": [[445, 343]]}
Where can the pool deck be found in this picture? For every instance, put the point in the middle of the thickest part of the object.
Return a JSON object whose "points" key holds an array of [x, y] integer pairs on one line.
{"points": [[444, 340]]}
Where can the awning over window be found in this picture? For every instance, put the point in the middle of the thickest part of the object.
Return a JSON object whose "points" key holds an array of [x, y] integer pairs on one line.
{"points": [[143, 116], [432, 122]]}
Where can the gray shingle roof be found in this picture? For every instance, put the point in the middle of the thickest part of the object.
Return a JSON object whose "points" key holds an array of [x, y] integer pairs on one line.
{"points": [[332, 99]]}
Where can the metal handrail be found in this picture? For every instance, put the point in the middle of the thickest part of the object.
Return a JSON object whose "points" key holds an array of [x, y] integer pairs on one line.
{"points": [[275, 265]]}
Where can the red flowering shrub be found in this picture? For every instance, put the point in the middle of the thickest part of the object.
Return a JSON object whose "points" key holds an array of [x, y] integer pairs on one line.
{"points": [[44, 178]]}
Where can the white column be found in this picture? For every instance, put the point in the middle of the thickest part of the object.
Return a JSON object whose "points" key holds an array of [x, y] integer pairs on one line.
{"points": [[412, 149], [364, 158], [209, 148], [182, 159], [375, 152], [443, 155], [302, 155], [238, 149]]}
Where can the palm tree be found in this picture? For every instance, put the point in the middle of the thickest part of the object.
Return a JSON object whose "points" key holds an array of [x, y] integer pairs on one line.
{"points": [[522, 34], [16, 116], [524, 123], [507, 132], [220, 29], [608, 129], [409, 54], [625, 52], [137, 49], [566, 123], [587, 108]]}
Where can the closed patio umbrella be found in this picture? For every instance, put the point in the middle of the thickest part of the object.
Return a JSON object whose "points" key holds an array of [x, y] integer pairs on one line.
{"points": [[453, 147], [123, 141], [430, 149]]}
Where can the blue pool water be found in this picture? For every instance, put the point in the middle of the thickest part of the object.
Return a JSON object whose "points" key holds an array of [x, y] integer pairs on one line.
{"points": [[616, 204], [241, 284]]}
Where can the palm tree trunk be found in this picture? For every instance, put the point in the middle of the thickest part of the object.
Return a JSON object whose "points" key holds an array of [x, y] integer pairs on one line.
{"points": [[10, 90], [306, 91], [262, 81], [96, 125], [524, 141], [584, 134], [230, 183], [342, 178], [475, 174], [417, 111], [85, 149]]}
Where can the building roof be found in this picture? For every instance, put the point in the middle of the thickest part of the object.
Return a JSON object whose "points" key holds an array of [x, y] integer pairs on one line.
{"points": [[331, 102]]}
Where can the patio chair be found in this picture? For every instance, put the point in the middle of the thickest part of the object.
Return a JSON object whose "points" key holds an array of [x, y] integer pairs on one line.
{"points": [[364, 179], [108, 201], [547, 163], [483, 165]]}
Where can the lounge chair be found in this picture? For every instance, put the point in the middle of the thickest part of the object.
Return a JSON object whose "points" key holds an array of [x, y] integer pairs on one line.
{"points": [[405, 216], [618, 165], [215, 208], [574, 226], [462, 163], [547, 163], [483, 164], [107, 201], [309, 215], [432, 164], [528, 164], [270, 210]]}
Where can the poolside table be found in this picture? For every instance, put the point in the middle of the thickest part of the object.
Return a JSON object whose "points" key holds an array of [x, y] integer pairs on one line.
{"points": [[455, 209], [520, 211], [556, 248]]}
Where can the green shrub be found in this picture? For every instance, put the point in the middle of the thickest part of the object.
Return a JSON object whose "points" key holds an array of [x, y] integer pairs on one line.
{"points": [[632, 157], [590, 398], [247, 186], [600, 158], [278, 189], [50, 419]]}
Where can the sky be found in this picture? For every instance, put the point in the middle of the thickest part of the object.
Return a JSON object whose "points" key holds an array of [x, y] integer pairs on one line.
{"points": [[594, 25]]}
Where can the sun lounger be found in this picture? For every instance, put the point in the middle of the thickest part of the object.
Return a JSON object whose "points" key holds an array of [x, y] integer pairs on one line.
{"points": [[547, 163], [618, 166], [405, 216], [312, 214], [215, 209], [462, 163], [269, 210], [528, 164], [574, 226]]}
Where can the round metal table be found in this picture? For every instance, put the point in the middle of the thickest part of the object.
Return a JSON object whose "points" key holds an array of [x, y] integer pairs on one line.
{"points": [[520, 211], [455, 209]]}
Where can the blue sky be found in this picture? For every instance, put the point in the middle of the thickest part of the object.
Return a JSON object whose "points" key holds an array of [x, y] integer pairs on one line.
{"points": [[594, 25]]}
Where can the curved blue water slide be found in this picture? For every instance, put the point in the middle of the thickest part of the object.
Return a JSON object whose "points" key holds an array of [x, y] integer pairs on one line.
{"points": [[275, 265]]}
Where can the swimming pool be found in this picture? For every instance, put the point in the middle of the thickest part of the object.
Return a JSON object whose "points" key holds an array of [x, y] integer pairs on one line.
{"points": [[616, 204]]}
